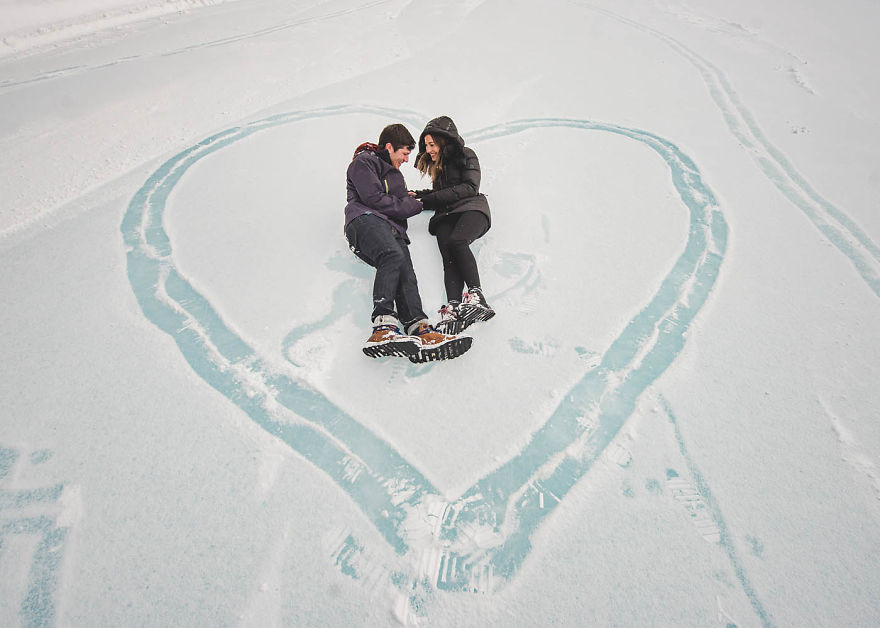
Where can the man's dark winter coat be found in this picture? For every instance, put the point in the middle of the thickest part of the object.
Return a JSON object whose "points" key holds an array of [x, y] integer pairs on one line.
{"points": [[374, 186]]}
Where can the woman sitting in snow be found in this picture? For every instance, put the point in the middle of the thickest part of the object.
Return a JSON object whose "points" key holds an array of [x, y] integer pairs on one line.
{"points": [[461, 215]]}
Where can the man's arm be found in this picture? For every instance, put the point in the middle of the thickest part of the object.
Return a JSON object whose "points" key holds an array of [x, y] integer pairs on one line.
{"points": [[373, 192]]}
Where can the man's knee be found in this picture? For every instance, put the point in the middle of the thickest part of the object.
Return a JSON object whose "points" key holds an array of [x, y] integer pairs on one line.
{"points": [[390, 258]]}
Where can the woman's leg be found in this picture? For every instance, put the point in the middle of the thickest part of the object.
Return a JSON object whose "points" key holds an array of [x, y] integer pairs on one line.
{"points": [[454, 236], [452, 280]]}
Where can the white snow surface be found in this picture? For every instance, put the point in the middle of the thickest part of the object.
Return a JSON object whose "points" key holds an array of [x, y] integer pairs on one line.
{"points": [[673, 420]]}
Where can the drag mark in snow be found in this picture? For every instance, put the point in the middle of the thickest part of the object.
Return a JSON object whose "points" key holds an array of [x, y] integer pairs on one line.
{"points": [[523, 294], [478, 541], [689, 496], [853, 454], [534, 347], [345, 297], [841, 230], [707, 516], [280, 27], [34, 524]]}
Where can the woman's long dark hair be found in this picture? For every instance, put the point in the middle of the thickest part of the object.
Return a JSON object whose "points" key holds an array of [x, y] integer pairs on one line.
{"points": [[426, 165]]}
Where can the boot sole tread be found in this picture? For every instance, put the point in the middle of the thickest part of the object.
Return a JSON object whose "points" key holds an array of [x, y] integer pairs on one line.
{"points": [[394, 348], [446, 351]]}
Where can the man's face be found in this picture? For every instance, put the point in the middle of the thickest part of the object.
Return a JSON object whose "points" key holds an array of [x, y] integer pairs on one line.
{"points": [[399, 156]]}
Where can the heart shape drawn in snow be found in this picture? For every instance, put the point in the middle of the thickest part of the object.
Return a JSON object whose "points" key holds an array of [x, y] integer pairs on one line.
{"points": [[480, 539]]}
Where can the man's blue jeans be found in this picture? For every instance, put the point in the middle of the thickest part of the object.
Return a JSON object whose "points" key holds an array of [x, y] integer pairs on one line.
{"points": [[381, 246]]}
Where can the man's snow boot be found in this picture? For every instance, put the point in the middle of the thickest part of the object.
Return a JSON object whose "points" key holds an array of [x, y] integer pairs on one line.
{"points": [[436, 345], [387, 340]]}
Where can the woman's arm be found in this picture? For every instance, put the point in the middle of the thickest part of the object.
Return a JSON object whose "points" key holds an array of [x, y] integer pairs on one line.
{"points": [[441, 199]]}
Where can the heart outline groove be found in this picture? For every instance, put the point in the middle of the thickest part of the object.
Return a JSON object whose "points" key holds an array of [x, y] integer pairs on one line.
{"points": [[480, 539]]}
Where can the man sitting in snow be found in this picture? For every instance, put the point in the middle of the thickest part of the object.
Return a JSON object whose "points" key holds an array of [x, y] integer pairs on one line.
{"points": [[375, 227]]}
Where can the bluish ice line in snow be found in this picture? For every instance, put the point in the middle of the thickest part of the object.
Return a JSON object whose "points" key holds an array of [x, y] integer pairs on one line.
{"points": [[38, 607], [344, 296], [726, 541], [360, 463], [8, 457], [19, 516], [595, 408], [509, 503], [840, 229]]}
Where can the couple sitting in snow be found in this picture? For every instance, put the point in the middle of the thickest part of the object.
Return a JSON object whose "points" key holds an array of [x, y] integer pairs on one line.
{"points": [[379, 205]]}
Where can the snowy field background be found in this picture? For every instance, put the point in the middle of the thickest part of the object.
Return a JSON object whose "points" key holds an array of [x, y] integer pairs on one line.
{"points": [[673, 420]]}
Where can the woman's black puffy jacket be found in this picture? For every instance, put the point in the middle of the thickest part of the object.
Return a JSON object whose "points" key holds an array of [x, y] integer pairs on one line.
{"points": [[457, 188]]}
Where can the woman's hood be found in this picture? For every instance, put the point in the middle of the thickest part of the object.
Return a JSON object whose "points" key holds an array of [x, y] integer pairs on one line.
{"points": [[441, 126]]}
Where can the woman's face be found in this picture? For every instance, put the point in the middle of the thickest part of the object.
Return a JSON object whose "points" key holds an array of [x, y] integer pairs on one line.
{"points": [[431, 147]]}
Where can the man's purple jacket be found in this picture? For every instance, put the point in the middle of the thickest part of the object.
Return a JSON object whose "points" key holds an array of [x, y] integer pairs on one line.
{"points": [[374, 186]]}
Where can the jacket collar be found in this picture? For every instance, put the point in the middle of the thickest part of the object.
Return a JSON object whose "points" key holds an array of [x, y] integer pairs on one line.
{"points": [[373, 148]]}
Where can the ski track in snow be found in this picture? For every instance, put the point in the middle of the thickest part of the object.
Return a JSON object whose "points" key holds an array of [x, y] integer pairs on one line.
{"points": [[478, 541], [841, 230], [286, 25], [696, 498], [55, 23], [853, 454]]}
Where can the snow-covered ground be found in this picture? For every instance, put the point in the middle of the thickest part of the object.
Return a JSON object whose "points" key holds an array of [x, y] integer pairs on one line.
{"points": [[673, 420]]}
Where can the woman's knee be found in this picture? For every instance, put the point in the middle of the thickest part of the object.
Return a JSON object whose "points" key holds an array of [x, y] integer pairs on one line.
{"points": [[459, 249], [460, 243]]}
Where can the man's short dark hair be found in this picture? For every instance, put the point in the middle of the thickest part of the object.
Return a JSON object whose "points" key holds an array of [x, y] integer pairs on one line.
{"points": [[398, 136]]}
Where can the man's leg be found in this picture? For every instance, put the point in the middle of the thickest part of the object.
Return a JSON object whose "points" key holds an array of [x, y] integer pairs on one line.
{"points": [[409, 301], [373, 240]]}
